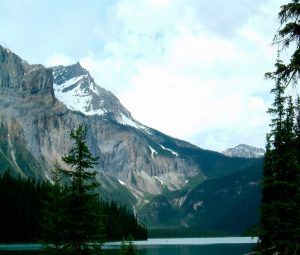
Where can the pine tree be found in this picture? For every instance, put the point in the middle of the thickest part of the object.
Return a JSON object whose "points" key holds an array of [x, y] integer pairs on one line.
{"points": [[84, 229], [279, 224], [277, 110], [280, 210], [53, 214], [289, 35], [297, 128], [270, 221]]}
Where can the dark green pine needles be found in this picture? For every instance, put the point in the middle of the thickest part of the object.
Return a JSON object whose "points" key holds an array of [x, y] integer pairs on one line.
{"points": [[279, 231], [280, 209], [73, 214], [83, 232]]}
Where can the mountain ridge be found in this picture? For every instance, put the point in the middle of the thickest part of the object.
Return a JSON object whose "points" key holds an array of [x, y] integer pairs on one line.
{"points": [[136, 163], [244, 151], [36, 101]]}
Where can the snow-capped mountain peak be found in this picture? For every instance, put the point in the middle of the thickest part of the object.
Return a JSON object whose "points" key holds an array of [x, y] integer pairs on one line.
{"points": [[244, 151], [74, 86]]}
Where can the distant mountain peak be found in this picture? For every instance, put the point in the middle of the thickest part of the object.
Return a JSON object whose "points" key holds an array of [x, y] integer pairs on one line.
{"points": [[244, 151]]}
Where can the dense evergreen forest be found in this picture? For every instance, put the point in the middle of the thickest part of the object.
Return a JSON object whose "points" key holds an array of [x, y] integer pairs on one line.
{"points": [[279, 231], [21, 214]]}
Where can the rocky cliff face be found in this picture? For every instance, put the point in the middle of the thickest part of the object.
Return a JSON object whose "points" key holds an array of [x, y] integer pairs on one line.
{"points": [[40, 106], [18, 76], [46, 103]]}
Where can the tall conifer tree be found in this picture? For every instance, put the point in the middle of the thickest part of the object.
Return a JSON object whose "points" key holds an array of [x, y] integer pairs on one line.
{"points": [[280, 210], [84, 228]]}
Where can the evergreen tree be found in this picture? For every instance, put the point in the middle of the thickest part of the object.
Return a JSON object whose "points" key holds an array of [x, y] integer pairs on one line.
{"points": [[297, 128], [277, 110], [128, 247], [28, 214], [20, 203], [279, 223], [280, 210], [84, 229], [289, 35], [279, 226], [53, 214], [269, 218]]}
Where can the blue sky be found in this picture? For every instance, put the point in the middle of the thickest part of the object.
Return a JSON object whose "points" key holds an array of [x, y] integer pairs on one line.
{"points": [[193, 69]]}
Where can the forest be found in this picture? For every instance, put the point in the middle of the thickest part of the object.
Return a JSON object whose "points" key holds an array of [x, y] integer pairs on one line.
{"points": [[21, 215]]}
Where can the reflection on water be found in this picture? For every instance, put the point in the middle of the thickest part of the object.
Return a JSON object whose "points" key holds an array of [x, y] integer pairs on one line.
{"points": [[228, 249], [219, 249]]}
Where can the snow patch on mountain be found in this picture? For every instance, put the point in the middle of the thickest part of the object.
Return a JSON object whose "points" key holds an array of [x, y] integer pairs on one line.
{"points": [[74, 87], [77, 98], [121, 182], [122, 119], [161, 182], [152, 151], [167, 149]]}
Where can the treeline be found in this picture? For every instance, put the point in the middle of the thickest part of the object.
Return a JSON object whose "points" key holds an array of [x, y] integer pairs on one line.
{"points": [[20, 208], [120, 223], [22, 204], [279, 229]]}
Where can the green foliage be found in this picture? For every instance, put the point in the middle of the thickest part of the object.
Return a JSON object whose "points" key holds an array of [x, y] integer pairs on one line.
{"points": [[53, 214], [226, 205], [83, 226], [120, 223], [72, 216], [84, 216], [279, 226], [289, 35], [128, 247], [25, 205], [279, 231], [21, 208], [159, 212]]}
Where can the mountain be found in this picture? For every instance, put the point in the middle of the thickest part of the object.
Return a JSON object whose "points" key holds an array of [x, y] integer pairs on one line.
{"points": [[244, 151], [228, 204], [129, 152], [221, 206], [40, 106], [77, 90]]}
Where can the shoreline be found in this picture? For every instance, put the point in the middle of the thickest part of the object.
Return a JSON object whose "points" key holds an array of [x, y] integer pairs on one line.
{"points": [[149, 242]]}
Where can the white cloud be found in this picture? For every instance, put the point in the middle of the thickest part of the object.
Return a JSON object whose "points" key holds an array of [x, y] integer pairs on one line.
{"points": [[191, 68], [158, 3], [177, 74], [59, 59]]}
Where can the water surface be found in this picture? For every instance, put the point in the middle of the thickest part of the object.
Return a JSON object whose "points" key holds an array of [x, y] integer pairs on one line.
{"points": [[171, 246]]}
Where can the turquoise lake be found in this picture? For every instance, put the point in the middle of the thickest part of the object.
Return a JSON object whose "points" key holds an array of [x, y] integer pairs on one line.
{"points": [[172, 246]]}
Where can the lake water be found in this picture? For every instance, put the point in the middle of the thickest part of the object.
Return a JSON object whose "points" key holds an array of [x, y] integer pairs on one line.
{"points": [[172, 246]]}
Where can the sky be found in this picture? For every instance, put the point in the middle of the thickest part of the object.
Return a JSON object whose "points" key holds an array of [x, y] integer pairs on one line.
{"points": [[193, 69]]}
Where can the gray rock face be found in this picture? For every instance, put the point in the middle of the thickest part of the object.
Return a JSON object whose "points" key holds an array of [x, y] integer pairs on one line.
{"points": [[244, 151], [11, 69], [17, 75], [129, 152], [40, 106]]}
